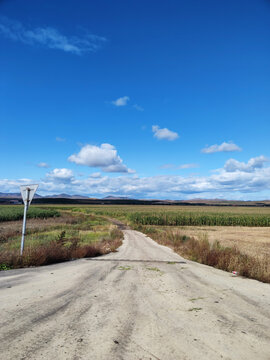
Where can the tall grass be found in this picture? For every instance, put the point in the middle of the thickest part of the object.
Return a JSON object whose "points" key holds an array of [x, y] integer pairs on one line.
{"points": [[59, 250], [224, 258], [11, 213], [198, 219]]}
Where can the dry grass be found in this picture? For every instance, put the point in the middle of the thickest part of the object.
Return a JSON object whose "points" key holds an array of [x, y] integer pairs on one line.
{"points": [[60, 250], [10, 229], [53, 240], [221, 257], [249, 240]]}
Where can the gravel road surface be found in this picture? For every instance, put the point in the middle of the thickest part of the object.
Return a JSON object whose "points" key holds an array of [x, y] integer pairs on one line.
{"points": [[143, 302]]}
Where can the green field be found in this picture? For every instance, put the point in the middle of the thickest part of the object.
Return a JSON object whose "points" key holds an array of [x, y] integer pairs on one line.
{"points": [[184, 215], [11, 213], [154, 215]]}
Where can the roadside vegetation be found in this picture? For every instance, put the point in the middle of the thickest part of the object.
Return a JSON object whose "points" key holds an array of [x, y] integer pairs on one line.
{"points": [[202, 251], [168, 226], [60, 233], [63, 236]]}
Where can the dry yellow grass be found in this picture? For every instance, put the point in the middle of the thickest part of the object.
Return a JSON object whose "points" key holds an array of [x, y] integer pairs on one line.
{"points": [[14, 228], [252, 241]]}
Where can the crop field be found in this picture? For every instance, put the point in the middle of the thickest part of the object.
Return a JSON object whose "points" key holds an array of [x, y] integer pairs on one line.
{"points": [[184, 215], [9, 213], [230, 237], [155, 215]]}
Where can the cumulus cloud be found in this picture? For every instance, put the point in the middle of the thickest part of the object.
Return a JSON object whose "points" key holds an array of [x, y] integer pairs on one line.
{"points": [[224, 147], [122, 101], [60, 175], [225, 184], [233, 165], [50, 37], [164, 134], [43, 165], [104, 156], [95, 175]]}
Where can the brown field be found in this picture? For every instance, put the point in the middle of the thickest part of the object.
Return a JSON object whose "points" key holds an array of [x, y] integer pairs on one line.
{"points": [[254, 241], [9, 229]]}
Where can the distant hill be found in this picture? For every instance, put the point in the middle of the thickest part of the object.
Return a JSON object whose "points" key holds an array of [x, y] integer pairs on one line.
{"points": [[110, 197], [66, 196], [14, 198], [37, 196]]}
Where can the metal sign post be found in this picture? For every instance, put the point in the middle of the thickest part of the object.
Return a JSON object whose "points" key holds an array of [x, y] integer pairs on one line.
{"points": [[27, 192]]}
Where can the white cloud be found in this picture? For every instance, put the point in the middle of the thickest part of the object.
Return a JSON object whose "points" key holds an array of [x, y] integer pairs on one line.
{"points": [[60, 175], [50, 37], [164, 134], [122, 101], [224, 147], [233, 165], [239, 184], [188, 166], [95, 175], [104, 157], [43, 165], [138, 107]]}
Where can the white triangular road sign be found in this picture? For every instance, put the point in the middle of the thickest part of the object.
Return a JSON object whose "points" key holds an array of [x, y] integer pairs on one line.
{"points": [[28, 192]]}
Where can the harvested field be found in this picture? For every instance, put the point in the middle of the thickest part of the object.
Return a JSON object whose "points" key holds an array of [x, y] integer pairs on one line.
{"points": [[249, 240], [213, 253]]}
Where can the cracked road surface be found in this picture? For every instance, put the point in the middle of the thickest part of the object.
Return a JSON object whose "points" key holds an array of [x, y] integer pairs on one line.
{"points": [[143, 302]]}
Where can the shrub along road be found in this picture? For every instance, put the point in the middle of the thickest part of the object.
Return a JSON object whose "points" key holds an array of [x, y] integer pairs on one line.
{"points": [[143, 302]]}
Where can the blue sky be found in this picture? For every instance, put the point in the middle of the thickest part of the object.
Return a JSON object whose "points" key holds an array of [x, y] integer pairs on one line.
{"points": [[146, 99]]}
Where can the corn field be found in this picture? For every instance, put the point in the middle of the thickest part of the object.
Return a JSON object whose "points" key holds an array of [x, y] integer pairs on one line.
{"points": [[11, 213], [199, 219]]}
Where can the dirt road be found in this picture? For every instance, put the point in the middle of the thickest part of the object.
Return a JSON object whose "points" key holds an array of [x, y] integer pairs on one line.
{"points": [[143, 302]]}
